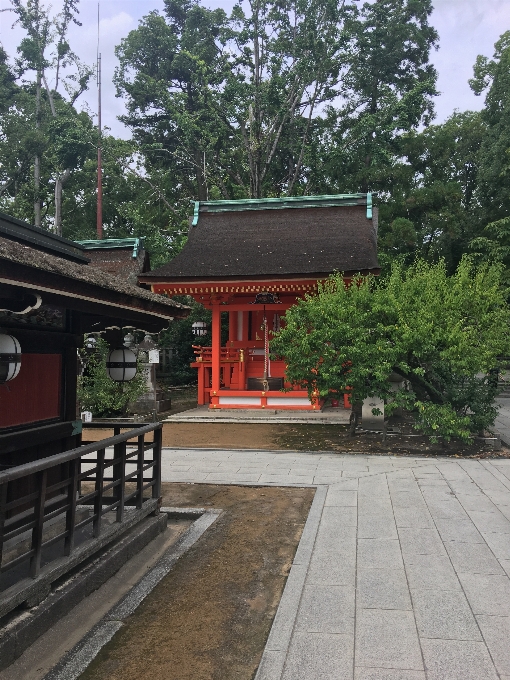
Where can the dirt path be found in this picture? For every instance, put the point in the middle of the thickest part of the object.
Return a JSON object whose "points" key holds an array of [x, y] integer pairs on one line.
{"points": [[303, 438], [210, 617]]}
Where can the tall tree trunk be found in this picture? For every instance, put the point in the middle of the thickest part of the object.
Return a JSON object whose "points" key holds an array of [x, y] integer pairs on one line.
{"points": [[59, 183], [199, 158]]}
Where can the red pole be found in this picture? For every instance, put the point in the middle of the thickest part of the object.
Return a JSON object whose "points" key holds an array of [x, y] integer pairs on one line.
{"points": [[99, 220], [216, 353]]}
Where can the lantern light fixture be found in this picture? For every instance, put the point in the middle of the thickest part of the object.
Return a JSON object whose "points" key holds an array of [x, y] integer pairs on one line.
{"points": [[10, 357], [129, 340], [91, 342], [146, 344], [121, 364], [199, 328]]}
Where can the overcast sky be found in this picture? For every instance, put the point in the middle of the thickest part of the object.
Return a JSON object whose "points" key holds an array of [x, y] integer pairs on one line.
{"points": [[466, 28]]}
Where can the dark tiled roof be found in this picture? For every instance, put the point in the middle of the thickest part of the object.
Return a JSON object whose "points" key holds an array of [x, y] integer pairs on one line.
{"points": [[276, 242], [102, 287]]}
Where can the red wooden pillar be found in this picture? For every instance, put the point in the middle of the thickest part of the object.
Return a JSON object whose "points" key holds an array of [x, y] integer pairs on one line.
{"points": [[216, 354], [201, 386]]}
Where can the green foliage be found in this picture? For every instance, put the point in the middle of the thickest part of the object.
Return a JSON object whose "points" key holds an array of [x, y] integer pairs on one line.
{"points": [[493, 77], [98, 393], [442, 334]]}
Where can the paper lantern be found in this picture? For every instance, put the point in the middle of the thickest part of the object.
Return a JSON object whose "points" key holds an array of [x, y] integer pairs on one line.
{"points": [[10, 357], [121, 365]]}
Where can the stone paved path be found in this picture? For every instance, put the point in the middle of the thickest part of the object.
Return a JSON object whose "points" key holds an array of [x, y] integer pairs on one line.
{"points": [[402, 572]]}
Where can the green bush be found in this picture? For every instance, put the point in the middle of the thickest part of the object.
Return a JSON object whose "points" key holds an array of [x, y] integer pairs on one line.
{"points": [[443, 334], [101, 395]]}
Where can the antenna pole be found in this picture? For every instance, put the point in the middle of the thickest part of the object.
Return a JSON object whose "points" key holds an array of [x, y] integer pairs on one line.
{"points": [[99, 220]]}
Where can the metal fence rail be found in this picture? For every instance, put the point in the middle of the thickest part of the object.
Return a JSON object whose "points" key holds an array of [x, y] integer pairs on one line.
{"points": [[48, 493]]}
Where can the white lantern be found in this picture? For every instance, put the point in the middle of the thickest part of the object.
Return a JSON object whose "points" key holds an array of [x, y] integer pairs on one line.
{"points": [[199, 328], [121, 365], [10, 358]]}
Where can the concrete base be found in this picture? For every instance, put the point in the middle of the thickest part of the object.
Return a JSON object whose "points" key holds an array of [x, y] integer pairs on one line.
{"points": [[203, 414], [23, 627]]}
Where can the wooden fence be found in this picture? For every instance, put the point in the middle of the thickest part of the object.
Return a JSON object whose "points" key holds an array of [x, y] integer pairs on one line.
{"points": [[104, 477]]}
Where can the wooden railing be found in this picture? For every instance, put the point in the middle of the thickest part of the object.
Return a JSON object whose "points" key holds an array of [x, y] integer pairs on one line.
{"points": [[39, 501], [227, 354]]}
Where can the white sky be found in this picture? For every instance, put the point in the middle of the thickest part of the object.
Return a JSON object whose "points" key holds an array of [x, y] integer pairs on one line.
{"points": [[466, 28]]}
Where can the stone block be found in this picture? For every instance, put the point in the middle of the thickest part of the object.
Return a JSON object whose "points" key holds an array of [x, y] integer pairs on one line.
{"points": [[379, 553], [370, 527], [271, 666], [283, 624], [387, 674], [491, 522], [338, 497], [412, 517], [460, 530], [476, 503], [473, 558], [499, 544], [487, 593], [382, 589], [434, 572], [444, 614], [387, 639], [320, 656], [332, 568], [496, 632], [326, 609], [457, 660], [339, 516], [420, 541]]}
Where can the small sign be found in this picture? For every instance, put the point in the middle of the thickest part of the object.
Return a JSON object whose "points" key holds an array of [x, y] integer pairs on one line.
{"points": [[154, 356], [86, 416]]}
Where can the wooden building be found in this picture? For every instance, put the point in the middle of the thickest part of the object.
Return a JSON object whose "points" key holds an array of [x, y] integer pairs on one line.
{"points": [[253, 259], [125, 258], [50, 297]]}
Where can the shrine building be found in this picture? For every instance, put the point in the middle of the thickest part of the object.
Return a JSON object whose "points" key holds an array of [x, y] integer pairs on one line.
{"points": [[254, 259]]}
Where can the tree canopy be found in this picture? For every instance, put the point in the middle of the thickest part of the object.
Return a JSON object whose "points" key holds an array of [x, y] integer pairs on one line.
{"points": [[442, 334]]}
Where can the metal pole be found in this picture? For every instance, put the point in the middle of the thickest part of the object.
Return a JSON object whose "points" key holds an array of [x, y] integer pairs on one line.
{"points": [[99, 220]]}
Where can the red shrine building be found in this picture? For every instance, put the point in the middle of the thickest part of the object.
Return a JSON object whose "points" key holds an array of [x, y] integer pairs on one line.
{"points": [[253, 259]]}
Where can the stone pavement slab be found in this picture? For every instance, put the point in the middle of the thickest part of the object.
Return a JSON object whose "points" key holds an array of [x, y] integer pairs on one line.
{"points": [[402, 571]]}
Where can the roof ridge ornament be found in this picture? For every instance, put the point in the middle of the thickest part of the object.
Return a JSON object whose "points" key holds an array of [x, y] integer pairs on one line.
{"points": [[286, 202]]}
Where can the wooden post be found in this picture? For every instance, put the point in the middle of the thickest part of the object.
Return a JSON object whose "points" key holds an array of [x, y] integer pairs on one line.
{"points": [[201, 385], [37, 531], [98, 500], [216, 353], [3, 512], [139, 476], [156, 456], [72, 490]]}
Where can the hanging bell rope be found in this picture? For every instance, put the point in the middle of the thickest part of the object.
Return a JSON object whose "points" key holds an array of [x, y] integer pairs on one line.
{"points": [[265, 381]]}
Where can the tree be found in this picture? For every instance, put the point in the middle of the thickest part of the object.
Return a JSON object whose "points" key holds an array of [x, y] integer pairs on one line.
{"points": [[432, 209], [442, 334], [493, 77], [387, 85], [61, 136], [226, 104]]}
